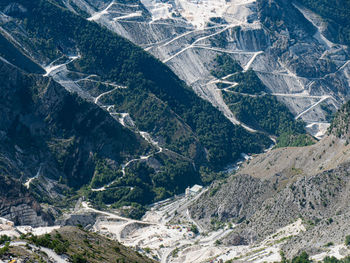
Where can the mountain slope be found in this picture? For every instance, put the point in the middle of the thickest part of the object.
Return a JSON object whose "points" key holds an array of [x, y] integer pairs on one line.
{"points": [[336, 14], [73, 244], [340, 125], [279, 187], [294, 58], [40, 116], [14, 56], [46, 132], [76, 139], [115, 59]]}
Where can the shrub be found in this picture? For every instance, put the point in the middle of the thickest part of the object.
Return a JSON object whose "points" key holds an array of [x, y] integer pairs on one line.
{"points": [[347, 240], [4, 249], [194, 229], [4, 238]]}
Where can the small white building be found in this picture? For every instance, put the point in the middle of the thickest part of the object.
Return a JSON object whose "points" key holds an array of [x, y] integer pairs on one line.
{"points": [[193, 190], [246, 156]]}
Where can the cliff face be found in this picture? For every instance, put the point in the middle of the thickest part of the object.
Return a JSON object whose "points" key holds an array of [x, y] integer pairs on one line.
{"points": [[19, 206]]}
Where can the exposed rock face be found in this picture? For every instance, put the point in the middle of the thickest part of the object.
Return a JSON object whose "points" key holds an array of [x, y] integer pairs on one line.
{"points": [[276, 188], [85, 220], [332, 229], [17, 205], [296, 61], [246, 195], [262, 206]]}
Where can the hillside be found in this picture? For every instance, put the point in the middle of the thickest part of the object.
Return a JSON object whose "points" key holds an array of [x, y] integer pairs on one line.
{"points": [[44, 134], [340, 124], [14, 56], [18, 205], [336, 14], [277, 188], [302, 65], [187, 131], [70, 243], [115, 59], [127, 132]]}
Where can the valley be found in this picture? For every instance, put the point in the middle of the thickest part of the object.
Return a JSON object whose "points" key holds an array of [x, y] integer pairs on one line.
{"points": [[166, 233], [174, 131], [181, 134]]}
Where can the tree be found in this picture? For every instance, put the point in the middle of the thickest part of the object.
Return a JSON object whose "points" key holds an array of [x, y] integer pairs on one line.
{"points": [[303, 258], [194, 229], [347, 240], [4, 249]]}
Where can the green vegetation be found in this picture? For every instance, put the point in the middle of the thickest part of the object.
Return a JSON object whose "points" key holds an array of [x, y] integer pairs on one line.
{"points": [[118, 60], [347, 240], [214, 190], [4, 239], [220, 40], [268, 114], [56, 243], [248, 82], [262, 112], [80, 246], [14, 56], [197, 134], [290, 139], [175, 252], [304, 258], [335, 260], [104, 174], [337, 14], [225, 65], [329, 114], [216, 224], [5, 249], [218, 242], [194, 229], [142, 185], [340, 124], [78, 258]]}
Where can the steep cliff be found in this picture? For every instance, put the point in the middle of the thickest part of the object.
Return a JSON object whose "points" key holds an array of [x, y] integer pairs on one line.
{"points": [[19, 206]]}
